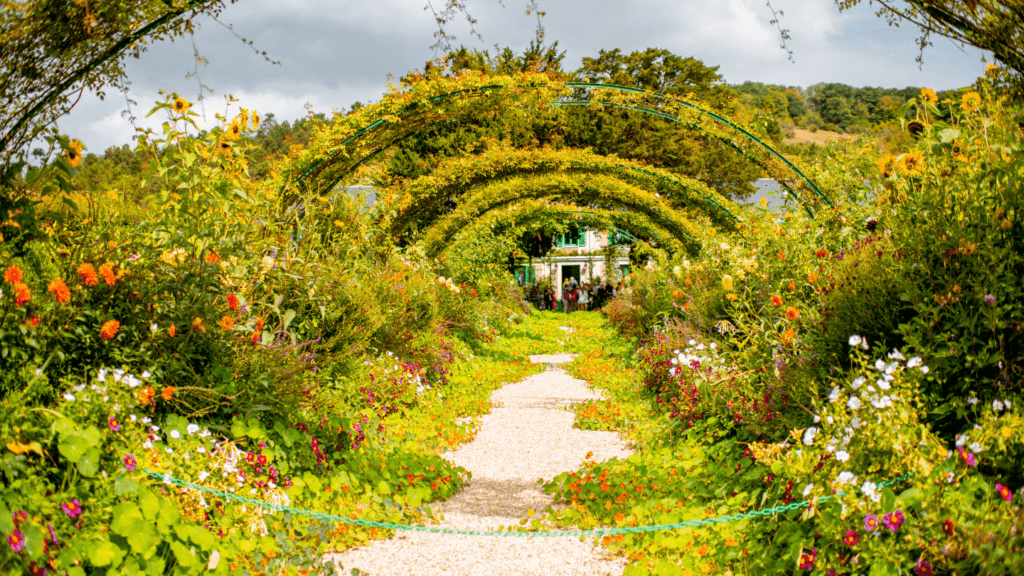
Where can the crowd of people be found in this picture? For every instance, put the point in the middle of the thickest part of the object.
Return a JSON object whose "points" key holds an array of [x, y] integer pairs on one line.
{"points": [[575, 296]]}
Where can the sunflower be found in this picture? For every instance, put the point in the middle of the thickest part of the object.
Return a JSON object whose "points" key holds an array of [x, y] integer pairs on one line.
{"points": [[887, 165], [911, 163], [74, 153], [234, 130], [255, 120], [915, 127], [991, 70], [224, 147], [181, 105], [970, 101], [929, 96]]}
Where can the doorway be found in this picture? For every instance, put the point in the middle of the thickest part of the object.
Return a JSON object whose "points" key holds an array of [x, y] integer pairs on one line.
{"points": [[570, 271]]}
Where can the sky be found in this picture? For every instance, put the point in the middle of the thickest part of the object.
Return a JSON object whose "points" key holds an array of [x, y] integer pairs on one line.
{"points": [[335, 53]]}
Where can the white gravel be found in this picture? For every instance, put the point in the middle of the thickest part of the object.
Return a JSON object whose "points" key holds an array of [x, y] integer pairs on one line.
{"points": [[528, 436]]}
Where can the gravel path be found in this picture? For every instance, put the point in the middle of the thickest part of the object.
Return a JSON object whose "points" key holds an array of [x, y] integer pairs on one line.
{"points": [[528, 436]]}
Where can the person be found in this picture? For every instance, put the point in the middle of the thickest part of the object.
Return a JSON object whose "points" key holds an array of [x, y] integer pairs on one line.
{"points": [[549, 299], [568, 298], [584, 298], [572, 282]]}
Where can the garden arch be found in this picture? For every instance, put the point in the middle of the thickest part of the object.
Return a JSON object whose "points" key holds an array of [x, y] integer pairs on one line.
{"points": [[591, 190], [347, 144]]}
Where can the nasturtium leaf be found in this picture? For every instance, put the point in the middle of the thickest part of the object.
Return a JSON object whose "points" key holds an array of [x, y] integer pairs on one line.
{"points": [[73, 447], [185, 557], [105, 553], [89, 463], [126, 517]]}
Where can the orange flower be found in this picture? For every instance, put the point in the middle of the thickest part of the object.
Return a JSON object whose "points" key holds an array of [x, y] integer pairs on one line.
{"points": [[21, 294], [792, 286], [197, 324], [782, 255], [33, 321], [108, 274], [60, 291], [776, 300], [212, 257], [686, 306], [259, 324], [254, 338], [88, 274], [792, 313], [232, 302], [109, 328], [12, 275], [167, 393], [787, 335], [812, 277], [226, 322], [145, 395], [172, 331]]}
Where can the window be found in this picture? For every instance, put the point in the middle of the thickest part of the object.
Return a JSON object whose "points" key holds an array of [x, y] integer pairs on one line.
{"points": [[617, 238], [623, 271], [574, 237], [525, 275]]}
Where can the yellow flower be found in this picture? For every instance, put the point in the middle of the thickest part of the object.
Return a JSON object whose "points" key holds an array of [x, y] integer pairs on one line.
{"points": [[970, 101], [181, 105], [887, 165], [234, 130], [731, 297], [929, 96], [991, 70], [255, 120], [727, 282], [915, 127], [911, 163], [74, 153]]}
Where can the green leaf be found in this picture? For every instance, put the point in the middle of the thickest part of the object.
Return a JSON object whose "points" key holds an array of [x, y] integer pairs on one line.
{"points": [[105, 553], [124, 486], [185, 558], [150, 504], [89, 463], [73, 447], [127, 516]]}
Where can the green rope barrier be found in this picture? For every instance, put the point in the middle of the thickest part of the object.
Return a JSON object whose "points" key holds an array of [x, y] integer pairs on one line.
{"points": [[168, 479]]}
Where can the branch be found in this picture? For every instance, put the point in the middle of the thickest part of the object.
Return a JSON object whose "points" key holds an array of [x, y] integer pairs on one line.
{"points": [[784, 34]]}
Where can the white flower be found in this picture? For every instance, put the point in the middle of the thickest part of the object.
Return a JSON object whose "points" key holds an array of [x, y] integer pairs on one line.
{"points": [[147, 374], [147, 445], [858, 382], [678, 271], [808, 488], [846, 477], [175, 434], [925, 369], [692, 342], [880, 365], [817, 418], [204, 433], [133, 381], [895, 355], [855, 340], [961, 439], [869, 489], [1007, 402], [972, 400], [146, 420], [167, 479], [809, 435], [883, 384], [102, 375], [724, 246], [914, 362], [853, 404], [201, 450], [169, 450], [153, 327], [133, 418], [713, 345], [997, 405], [975, 447], [949, 477], [192, 428], [69, 397], [834, 394], [842, 456]]}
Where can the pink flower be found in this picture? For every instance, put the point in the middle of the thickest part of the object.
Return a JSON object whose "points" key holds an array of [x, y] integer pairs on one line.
{"points": [[807, 559], [73, 509], [967, 457], [114, 426], [261, 460], [20, 516], [870, 522], [1004, 492], [852, 538], [16, 540], [129, 462], [923, 568]]}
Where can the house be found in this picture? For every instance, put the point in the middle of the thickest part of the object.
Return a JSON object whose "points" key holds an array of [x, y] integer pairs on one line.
{"points": [[588, 256]]}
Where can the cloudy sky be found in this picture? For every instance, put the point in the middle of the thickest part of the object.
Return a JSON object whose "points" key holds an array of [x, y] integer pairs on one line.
{"points": [[335, 53]]}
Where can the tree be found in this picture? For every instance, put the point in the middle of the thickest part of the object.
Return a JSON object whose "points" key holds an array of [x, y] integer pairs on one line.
{"points": [[657, 141]]}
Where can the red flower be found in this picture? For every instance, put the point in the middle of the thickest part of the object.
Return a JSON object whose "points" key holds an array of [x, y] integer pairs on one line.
{"points": [[776, 300], [109, 329], [852, 538], [88, 274], [13, 275], [821, 253], [59, 290], [948, 528], [33, 321], [21, 294], [232, 302], [792, 313]]}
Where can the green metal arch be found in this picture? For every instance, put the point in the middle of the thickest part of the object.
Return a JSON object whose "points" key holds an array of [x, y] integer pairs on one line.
{"points": [[601, 189], [585, 85]]}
